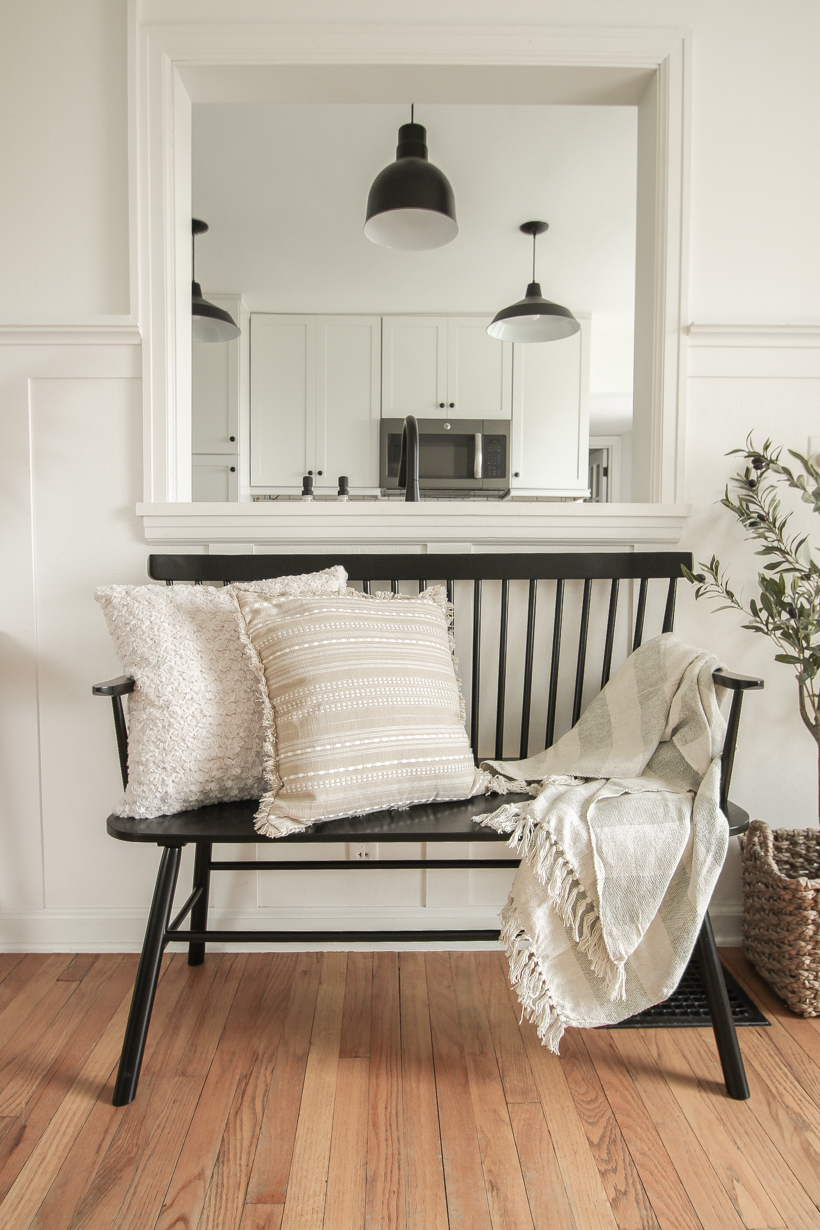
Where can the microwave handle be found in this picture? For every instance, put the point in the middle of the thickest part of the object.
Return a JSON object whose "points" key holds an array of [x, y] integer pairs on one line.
{"points": [[478, 464]]}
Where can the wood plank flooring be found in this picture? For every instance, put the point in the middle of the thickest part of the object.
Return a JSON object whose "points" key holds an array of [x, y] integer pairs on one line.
{"points": [[386, 1091]]}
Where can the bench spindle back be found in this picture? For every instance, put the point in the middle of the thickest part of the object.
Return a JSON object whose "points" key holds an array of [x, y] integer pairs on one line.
{"points": [[549, 593]]}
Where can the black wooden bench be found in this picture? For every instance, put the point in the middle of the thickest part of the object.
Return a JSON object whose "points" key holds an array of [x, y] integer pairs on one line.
{"points": [[566, 581]]}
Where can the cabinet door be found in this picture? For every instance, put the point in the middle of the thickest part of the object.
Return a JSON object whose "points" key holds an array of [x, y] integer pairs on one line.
{"points": [[214, 478], [283, 399], [215, 390], [414, 366], [479, 371], [550, 427], [348, 365]]}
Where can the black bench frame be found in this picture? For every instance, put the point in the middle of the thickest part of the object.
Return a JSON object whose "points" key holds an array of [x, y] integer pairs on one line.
{"points": [[233, 822]]}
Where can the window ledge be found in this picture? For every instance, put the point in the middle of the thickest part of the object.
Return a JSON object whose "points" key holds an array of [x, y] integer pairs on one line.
{"points": [[429, 525]]}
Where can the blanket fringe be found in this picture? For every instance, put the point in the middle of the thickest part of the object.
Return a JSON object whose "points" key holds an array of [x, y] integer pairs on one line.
{"points": [[496, 783], [529, 982], [536, 845]]}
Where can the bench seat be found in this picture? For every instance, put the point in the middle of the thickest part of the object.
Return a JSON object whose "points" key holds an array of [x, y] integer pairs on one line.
{"points": [[233, 823]]}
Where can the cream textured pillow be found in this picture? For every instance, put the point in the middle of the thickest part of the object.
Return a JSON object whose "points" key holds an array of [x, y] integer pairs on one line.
{"points": [[363, 709], [195, 716]]}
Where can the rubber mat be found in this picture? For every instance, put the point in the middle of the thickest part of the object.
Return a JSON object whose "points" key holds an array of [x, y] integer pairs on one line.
{"points": [[687, 1005]]}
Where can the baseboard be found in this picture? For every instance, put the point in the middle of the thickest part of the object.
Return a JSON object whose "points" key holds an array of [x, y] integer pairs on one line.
{"points": [[121, 930], [727, 921]]}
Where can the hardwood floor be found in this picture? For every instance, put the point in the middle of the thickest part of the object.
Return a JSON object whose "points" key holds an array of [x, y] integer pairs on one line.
{"points": [[386, 1091]]}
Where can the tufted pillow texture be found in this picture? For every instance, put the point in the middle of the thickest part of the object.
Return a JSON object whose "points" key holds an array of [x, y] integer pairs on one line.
{"points": [[363, 708], [195, 718]]}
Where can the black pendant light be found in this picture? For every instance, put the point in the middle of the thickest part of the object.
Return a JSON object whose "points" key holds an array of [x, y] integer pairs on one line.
{"points": [[411, 204], [533, 318], [210, 323]]}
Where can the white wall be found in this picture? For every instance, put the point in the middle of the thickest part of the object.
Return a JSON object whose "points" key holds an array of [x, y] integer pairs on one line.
{"points": [[64, 183], [71, 456]]}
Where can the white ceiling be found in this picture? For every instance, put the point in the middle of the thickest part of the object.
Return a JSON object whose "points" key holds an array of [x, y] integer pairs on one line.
{"points": [[284, 186]]}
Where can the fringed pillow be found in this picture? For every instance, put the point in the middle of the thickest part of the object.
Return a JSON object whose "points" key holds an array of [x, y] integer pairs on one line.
{"points": [[363, 707], [195, 717]]}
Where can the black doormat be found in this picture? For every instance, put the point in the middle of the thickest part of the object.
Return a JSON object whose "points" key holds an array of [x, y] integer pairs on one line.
{"points": [[687, 1006]]}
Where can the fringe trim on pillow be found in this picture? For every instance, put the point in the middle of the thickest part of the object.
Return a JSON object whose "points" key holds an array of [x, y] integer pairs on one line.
{"points": [[535, 844], [526, 976], [261, 821]]}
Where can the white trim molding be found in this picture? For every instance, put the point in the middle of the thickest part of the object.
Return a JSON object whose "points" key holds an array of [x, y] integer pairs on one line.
{"points": [[122, 930], [70, 335], [172, 54], [777, 352], [791, 336], [291, 525]]}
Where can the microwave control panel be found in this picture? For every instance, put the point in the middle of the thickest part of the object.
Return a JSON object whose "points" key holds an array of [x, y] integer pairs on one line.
{"points": [[495, 457]]}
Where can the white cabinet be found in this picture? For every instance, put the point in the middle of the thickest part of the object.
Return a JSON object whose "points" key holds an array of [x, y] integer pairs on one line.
{"points": [[550, 425], [414, 366], [348, 366], [314, 400], [283, 399], [214, 477], [215, 414], [319, 385], [444, 367], [479, 371], [215, 389]]}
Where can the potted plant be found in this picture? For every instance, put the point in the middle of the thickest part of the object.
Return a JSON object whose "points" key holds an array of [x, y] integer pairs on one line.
{"points": [[781, 868]]}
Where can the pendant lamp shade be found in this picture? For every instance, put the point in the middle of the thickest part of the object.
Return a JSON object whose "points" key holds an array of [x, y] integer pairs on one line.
{"points": [[533, 318], [411, 204], [209, 323]]}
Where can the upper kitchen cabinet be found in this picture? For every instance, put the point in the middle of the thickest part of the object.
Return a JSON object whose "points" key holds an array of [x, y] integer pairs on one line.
{"points": [[314, 400], [348, 366], [444, 367], [283, 399], [550, 422]]}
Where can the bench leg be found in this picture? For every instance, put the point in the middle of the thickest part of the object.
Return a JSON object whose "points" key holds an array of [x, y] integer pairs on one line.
{"points": [[717, 998], [199, 914], [142, 1001]]}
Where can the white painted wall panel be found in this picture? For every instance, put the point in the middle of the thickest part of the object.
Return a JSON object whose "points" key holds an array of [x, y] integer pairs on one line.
{"points": [[85, 437], [64, 247]]}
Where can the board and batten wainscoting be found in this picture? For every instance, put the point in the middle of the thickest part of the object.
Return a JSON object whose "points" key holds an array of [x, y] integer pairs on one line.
{"points": [[71, 473]]}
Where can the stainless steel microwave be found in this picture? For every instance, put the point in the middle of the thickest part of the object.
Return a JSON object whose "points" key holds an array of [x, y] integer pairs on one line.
{"points": [[454, 455]]}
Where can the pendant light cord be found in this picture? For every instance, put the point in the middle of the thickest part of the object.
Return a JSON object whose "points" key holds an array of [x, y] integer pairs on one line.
{"points": [[412, 112], [533, 256]]}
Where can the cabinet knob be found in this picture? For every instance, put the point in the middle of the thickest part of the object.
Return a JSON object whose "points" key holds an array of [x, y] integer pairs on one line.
{"points": [[310, 472], [232, 439], [233, 469], [517, 474], [441, 405], [452, 405], [319, 472]]}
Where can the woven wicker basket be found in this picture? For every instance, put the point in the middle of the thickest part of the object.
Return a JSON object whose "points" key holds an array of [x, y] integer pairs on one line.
{"points": [[781, 911]]}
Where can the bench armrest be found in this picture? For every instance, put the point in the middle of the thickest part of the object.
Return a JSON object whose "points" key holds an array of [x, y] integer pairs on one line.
{"points": [[737, 685], [735, 682], [114, 687]]}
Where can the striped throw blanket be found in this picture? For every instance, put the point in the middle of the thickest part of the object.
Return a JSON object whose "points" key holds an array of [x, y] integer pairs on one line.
{"points": [[621, 845]]}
